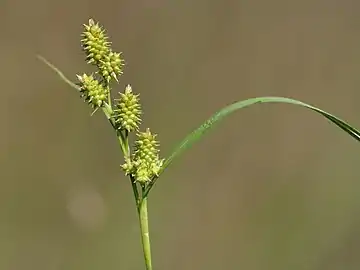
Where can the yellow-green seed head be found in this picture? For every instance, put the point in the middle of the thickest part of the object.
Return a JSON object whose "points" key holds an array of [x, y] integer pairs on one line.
{"points": [[146, 157], [93, 91], [111, 65], [94, 42], [128, 111], [128, 166], [142, 174]]}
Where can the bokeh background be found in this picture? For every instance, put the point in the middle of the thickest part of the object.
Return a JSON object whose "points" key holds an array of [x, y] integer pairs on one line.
{"points": [[273, 187]]}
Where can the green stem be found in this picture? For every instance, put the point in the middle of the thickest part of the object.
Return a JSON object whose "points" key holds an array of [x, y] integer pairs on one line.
{"points": [[144, 227], [135, 191], [141, 203]]}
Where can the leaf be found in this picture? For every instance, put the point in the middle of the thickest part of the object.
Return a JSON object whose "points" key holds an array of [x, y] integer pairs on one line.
{"points": [[106, 109], [217, 117], [60, 74]]}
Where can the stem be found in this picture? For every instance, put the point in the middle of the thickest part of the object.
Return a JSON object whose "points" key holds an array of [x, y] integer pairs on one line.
{"points": [[141, 203], [135, 191], [144, 227]]}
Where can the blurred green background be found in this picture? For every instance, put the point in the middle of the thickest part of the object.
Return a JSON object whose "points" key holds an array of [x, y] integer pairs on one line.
{"points": [[273, 187]]}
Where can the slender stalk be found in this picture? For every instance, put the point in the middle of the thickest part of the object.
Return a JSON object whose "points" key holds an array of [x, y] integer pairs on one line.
{"points": [[144, 227], [135, 191], [141, 203]]}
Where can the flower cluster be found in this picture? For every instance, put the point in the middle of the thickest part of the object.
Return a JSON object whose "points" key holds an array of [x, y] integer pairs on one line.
{"points": [[145, 162], [98, 51], [128, 111], [109, 65], [93, 91], [125, 114]]}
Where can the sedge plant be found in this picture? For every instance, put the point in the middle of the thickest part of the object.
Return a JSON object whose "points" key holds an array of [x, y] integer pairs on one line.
{"points": [[142, 163]]}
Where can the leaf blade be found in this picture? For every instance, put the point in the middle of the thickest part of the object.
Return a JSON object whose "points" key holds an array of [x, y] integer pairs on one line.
{"points": [[58, 72], [198, 133]]}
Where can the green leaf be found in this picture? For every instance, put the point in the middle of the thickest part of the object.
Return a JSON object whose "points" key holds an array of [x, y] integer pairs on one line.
{"points": [[217, 117], [58, 71]]}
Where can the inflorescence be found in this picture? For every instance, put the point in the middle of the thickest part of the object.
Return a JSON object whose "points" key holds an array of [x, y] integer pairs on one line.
{"points": [[125, 115]]}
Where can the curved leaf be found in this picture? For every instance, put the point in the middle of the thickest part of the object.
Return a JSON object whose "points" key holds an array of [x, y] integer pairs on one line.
{"points": [[208, 124]]}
